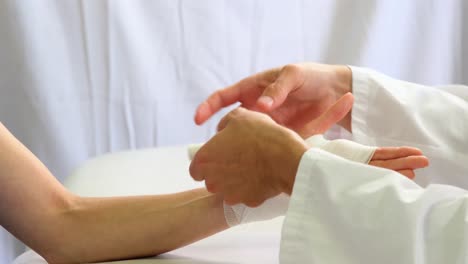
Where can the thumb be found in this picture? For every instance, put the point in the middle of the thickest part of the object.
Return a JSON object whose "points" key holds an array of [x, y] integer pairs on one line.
{"points": [[330, 117], [289, 79]]}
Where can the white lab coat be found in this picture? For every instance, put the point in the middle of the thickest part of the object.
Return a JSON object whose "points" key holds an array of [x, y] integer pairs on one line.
{"points": [[346, 212]]}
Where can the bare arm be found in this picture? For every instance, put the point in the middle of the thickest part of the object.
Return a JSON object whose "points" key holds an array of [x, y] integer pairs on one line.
{"points": [[68, 228]]}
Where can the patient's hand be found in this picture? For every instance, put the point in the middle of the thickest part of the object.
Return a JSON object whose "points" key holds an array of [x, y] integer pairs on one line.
{"points": [[400, 159]]}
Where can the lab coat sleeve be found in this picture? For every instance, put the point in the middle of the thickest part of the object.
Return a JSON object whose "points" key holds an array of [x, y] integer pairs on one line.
{"points": [[346, 212], [389, 112]]}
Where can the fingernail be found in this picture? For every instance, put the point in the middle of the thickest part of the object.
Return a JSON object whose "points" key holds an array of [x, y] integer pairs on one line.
{"points": [[265, 100]]}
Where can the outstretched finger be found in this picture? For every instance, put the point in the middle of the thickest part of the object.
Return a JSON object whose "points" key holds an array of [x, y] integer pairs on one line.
{"points": [[410, 162], [216, 101], [247, 90], [386, 153], [408, 173]]}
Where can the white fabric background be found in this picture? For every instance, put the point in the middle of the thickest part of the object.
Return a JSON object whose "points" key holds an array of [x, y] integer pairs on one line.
{"points": [[81, 78]]}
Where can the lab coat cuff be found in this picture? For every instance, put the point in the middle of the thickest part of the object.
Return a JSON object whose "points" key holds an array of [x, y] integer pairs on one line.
{"points": [[293, 233], [362, 89]]}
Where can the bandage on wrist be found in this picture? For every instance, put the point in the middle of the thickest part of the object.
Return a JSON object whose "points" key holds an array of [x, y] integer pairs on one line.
{"points": [[347, 149]]}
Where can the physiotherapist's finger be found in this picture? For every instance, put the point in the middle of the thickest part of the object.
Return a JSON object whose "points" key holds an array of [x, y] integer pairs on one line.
{"points": [[215, 102], [330, 117], [410, 162], [223, 98], [408, 173], [289, 79], [385, 153]]}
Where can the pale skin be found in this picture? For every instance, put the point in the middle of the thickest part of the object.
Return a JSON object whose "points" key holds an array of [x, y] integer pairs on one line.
{"points": [[65, 228], [292, 95], [292, 99]]}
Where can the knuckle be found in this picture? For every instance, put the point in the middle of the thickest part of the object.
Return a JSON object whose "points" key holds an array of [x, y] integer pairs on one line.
{"points": [[233, 114], [237, 115], [239, 111], [293, 70], [294, 73], [275, 88]]}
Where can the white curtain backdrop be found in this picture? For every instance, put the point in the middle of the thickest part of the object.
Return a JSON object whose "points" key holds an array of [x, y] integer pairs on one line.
{"points": [[81, 78]]}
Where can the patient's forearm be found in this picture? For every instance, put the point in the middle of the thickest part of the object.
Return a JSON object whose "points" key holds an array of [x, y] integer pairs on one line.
{"points": [[115, 228], [62, 227], [171, 200]]}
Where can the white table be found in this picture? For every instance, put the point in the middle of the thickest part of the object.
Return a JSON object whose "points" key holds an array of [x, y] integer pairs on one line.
{"points": [[165, 170]]}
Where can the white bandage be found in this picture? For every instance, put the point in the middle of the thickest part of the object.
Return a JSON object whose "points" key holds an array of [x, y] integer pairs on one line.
{"points": [[278, 205], [347, 149], [192, 150]]}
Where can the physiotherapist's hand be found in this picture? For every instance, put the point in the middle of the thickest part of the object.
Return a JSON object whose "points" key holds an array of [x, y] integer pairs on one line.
{"points": [[292, 95], [250, 159]]}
